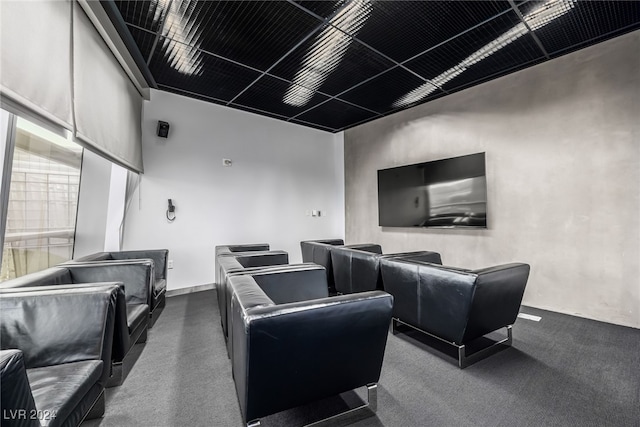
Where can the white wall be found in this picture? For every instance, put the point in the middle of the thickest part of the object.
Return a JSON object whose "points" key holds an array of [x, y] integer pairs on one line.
{"points": [[562, 143], [100, 205], [280, 171], [93, 204]]}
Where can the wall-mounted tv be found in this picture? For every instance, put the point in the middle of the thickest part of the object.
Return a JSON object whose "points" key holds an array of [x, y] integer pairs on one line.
{"points": [[441, 193]]}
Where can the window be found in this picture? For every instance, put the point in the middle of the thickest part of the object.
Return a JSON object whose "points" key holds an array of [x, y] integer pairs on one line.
{"points": [[43, 199]]}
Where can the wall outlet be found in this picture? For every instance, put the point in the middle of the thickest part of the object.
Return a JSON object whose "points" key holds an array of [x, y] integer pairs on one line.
{"points": [[170, 264]]}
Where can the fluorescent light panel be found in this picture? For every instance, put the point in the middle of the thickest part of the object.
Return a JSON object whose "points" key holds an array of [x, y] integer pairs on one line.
{"points": [[327, 52], [536, 19], [181, 39]]}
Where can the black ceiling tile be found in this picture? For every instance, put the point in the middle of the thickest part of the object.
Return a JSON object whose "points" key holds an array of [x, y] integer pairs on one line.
{"points": [[335, 114], [278, 96], [469, 82], [323, 9], [253, 33], [143, 14], [258, 111], [581, 22], [193, 95], [403, 29], [312, 125], [144, 40], [330, 62], [175, 64], [382, 92], [500, 44]]}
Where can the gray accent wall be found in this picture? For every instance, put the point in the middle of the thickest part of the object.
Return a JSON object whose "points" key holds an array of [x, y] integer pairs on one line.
{"points": [[562, 143]]}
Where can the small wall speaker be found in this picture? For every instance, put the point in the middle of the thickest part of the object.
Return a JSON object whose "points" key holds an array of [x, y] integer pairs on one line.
{"points": [[163, 129]]}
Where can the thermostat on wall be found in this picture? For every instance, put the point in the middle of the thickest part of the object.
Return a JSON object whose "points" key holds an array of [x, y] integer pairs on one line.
{"points": [[227, 162]]}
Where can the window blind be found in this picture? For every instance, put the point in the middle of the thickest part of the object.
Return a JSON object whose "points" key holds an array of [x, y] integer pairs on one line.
{"points": [[36, 58], [107, 106]]}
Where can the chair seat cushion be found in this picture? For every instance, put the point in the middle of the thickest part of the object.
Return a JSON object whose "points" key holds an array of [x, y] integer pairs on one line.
{"points": [[58, 389], [136, 313], [159, 286]]}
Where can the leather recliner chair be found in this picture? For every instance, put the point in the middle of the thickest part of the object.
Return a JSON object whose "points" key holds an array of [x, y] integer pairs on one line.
{"points": [[160, 258], [456, 305], [132, 309], [289, 351], [356, 270], [56, 352], [319, 252]]}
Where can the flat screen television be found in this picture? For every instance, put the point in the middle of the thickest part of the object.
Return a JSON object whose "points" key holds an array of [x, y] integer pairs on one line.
{"points": [[445, 193]]}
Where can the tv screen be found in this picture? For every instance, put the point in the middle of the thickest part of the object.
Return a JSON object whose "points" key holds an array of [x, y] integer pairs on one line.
{"points": [[442, 193]]}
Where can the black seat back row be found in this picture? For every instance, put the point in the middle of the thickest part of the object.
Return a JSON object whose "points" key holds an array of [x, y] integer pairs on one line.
{"points": [[455, 304], [357, 270], [319, 252]]}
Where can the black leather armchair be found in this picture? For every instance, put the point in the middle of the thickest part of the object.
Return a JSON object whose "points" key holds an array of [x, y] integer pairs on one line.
{"points": [[132, 310], [319, 252], [456, 305], [241, 261], [56, 351], [356, 270], [160, 258], [288, 353]]}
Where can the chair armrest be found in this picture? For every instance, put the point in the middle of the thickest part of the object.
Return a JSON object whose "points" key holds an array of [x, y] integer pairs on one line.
{"points": [[15, 392], [136, 274], [497, 298], [291, 354]]}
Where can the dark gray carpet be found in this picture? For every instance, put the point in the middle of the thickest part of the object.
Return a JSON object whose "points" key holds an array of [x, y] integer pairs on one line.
{"points": [[561, 371]]}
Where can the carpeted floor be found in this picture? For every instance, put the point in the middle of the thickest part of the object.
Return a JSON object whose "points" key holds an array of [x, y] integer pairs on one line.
{"points": [[561, 371]]}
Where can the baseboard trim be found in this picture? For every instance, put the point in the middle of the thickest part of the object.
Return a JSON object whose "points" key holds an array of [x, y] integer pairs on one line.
{"points": [[190, 290]]}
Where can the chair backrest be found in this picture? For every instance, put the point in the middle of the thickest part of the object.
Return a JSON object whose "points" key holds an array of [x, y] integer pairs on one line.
{"points": [[303, 282], [55, 326], [355, 270]]}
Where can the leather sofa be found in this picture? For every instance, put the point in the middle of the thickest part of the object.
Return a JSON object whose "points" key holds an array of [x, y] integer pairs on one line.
{"points": [[319, 252], [456, 305], [241, 261], [160, 259], [56, 351], [132, 310], [356, 270], [290, 349]]}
